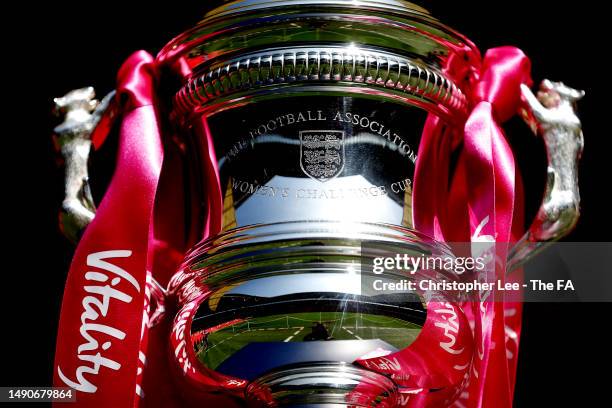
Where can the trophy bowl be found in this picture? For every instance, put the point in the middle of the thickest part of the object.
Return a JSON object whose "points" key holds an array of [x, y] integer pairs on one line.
{"points": [[301, 124]]}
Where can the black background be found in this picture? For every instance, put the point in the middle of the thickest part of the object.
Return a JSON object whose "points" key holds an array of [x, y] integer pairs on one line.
{"points": [[52, 47]]}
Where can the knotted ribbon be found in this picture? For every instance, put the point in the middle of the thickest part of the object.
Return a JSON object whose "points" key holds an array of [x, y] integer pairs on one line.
{"points": [[479, 198], [99, 334]]}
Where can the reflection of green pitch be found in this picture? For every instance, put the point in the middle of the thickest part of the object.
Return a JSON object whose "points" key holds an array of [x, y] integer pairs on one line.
{"points": [[294, 327]]}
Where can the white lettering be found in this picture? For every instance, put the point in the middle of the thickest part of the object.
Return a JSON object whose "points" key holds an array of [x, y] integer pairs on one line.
{"points": [[96, 305]]}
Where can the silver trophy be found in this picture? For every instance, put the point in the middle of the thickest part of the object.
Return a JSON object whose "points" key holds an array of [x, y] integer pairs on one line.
{"points": [[301, 121]]}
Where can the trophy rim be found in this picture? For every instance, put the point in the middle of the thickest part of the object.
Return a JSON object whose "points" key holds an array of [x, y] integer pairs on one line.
{"points": [[349, 69], [245, 6], [216, 19]]}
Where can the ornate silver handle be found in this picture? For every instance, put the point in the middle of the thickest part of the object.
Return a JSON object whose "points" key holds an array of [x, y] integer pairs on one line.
{"points": [[82, 113], [552, 114]]}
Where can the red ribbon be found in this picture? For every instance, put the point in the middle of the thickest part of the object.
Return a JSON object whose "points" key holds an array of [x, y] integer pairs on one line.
{"points": [[102, 311], [479, 199]]}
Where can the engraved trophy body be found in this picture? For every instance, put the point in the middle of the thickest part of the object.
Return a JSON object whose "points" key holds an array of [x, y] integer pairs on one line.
{"points": [[311, 124], [300, 124]]}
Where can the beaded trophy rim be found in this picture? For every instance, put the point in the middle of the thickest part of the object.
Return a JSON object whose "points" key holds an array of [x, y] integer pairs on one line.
{"points": [[343, 65]]}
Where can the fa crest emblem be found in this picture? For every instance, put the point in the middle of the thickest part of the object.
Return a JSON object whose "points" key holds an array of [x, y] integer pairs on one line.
{"points": [[322, 153]]}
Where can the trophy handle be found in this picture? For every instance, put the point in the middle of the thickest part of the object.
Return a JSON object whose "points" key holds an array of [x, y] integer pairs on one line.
{"points": [[82, 113], [552, 115]]}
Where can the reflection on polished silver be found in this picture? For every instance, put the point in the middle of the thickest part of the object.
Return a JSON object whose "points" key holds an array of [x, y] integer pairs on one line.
{"points": [[252, 5], [265, 298], [82, 115], [323, 384], [324, 157], [305, 47], [552, 114], [346, 65]]}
